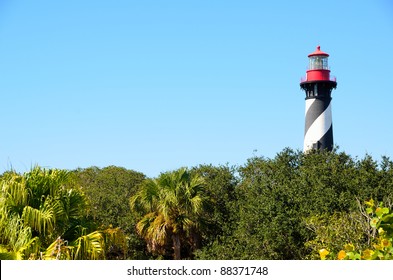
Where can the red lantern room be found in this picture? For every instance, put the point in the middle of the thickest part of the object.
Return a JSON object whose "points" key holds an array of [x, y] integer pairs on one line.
{"points": [[318, 69]]}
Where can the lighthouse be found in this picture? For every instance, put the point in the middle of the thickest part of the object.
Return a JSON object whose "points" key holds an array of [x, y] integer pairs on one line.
{"points": [[318, 86]]}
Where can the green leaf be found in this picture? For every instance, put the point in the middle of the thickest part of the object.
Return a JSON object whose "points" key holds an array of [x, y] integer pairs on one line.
{"points": [[351, 255], [381, 211], [388, 218], [370, 203], [8, 256]]}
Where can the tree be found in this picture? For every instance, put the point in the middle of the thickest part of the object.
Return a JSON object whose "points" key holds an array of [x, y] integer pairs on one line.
{"points": [[220, 187], [108, 191], [172, 205], [37, 210], [265, 220], [282, 204], [270, 207]]}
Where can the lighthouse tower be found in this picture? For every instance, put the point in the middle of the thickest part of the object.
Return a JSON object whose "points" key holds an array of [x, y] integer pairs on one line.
{"points": [[318, 85]]}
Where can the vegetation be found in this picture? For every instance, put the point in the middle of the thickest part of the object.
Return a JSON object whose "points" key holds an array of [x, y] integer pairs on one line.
{"points": [[319, 205], [380, 241], [108, 191], [42, 218]]}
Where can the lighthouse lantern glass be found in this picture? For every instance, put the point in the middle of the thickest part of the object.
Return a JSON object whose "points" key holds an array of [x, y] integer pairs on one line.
{"points": [[318, 62]]}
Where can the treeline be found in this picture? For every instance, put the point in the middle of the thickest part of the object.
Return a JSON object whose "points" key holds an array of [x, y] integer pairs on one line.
{"points": [[293, 206]]}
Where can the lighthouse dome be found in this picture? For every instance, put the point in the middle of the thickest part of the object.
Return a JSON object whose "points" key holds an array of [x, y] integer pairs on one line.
{"points": [[318, 52]]}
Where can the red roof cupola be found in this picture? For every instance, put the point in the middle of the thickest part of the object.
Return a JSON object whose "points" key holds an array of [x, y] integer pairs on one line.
{"points": [[318, 68], [318, 52]]}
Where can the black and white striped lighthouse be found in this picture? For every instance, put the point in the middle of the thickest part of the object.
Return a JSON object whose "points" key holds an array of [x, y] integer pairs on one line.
{"points": [[318, 85]]}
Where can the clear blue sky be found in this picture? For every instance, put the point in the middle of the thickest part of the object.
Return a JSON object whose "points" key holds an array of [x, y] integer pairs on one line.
{"points": [[156, 85]]}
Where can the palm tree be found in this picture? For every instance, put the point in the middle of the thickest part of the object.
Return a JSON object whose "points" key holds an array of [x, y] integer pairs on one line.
{"points": [[40, 217], [172, 205]]}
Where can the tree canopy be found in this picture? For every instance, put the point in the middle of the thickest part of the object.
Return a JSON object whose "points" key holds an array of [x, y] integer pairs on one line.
{"points": [[292, 206], [42, 218]]}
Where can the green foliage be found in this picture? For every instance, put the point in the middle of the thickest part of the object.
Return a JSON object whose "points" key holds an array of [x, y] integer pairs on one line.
{"points": [[288, 206], [108, 191], [264, 215], [172, 206], [36, 208], [220, 188], [333, 232], [381, 221], [292, 206], [327, 182], [85, 247]]}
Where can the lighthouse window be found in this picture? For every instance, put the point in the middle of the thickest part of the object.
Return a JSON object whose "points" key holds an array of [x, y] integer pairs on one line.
{"points": [[318, 62], [325, 63]]}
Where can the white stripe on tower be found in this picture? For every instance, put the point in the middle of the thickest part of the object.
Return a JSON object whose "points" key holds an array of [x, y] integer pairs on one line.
{"points": [[309, 102], [320, 125]]}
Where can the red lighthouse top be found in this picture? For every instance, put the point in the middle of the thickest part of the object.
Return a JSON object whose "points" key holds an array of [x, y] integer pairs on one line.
{"points": [[318, 52], [318, 69]]}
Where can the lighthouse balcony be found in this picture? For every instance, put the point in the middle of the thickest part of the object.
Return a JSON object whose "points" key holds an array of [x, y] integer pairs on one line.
{"points": [[313, 78]]}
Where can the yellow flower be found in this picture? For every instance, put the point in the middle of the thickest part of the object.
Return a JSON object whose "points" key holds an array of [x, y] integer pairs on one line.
{"points": [[377, 247], [385, 243], [367, 254], [323, 253], [349, 247], [341, 255]]}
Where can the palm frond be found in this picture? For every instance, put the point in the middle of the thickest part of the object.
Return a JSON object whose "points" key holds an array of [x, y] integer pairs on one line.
{"points": [[44, 182], [87, 247], [146, 199], [9, 256], [90, 246], [143, 225], [19, 238], [30, 249], [174, 209], [153, 227], [14, 193], [73, 203], [158, 230], [41, 220]]}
